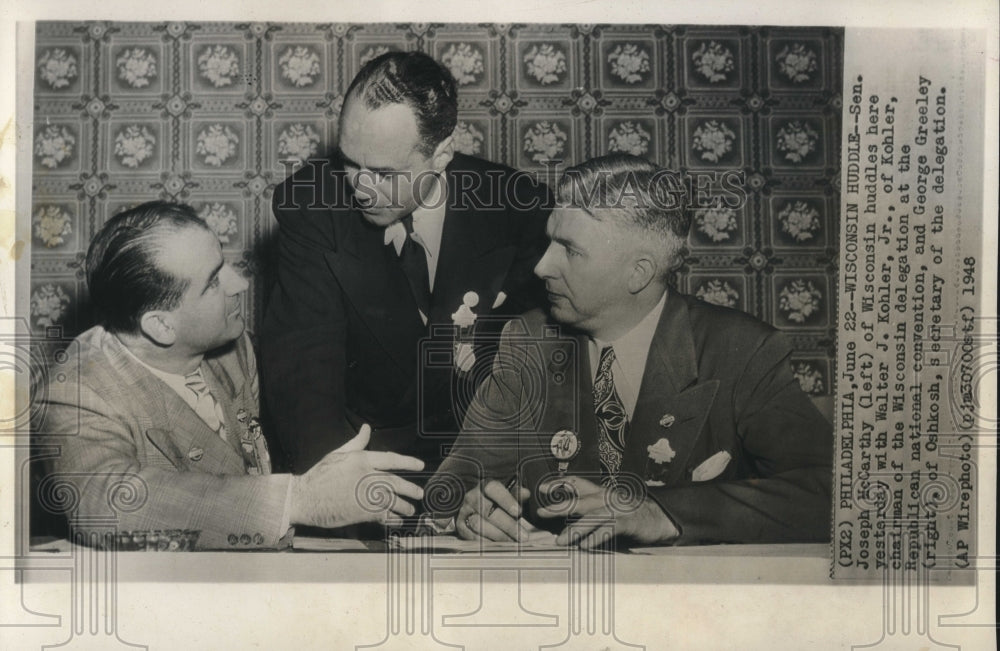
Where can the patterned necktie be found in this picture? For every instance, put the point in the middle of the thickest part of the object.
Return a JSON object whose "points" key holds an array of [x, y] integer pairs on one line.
{"points": [[206, 406], [413, 259], [611, 419]]}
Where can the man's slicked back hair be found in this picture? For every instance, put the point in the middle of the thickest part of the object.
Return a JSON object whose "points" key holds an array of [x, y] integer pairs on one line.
{"points": [[416, 80], [634, 192], [123, 276], [647, 196]]}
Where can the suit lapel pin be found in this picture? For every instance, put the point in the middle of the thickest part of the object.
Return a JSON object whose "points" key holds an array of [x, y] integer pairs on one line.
{"points": [[195, 454], [464, 317], [255, 455], [667, 420], [565, 445], [657, 465], [465, 320], [251, 428]]}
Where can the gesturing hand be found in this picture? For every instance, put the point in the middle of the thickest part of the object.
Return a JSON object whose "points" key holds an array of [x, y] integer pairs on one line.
{"points": [[505, 523], [348, 486], [604, 515]]}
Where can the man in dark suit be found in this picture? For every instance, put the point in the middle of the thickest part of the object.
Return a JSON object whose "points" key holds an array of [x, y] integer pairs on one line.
{"points": [[392, 258], [684, 424]]}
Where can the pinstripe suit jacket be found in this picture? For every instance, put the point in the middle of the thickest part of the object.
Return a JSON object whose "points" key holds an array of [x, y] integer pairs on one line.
{"points": [[133, 451]]}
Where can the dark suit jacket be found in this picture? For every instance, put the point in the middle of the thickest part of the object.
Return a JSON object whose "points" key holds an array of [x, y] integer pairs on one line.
{"points": [[341, 339], [725, 379]]}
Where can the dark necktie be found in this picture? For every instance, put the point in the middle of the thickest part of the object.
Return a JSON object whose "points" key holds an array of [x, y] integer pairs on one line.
{"points": [[413, 259], [612, 420]]}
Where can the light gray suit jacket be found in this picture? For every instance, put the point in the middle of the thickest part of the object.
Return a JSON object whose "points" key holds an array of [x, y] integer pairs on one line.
{"points": [[133, 453]]}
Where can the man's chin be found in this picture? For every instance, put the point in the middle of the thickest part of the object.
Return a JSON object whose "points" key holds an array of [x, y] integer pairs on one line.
{"points": [[560, 314], [381, 218], [236, 327]]}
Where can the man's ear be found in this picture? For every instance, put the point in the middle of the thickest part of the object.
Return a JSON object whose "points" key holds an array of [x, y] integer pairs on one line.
{"points": [[443, 153], [644, 271], [158, 326]]}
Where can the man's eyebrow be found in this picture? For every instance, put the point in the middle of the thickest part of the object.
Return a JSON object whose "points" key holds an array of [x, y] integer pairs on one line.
{"points": [[565, 241], [211, 277]]}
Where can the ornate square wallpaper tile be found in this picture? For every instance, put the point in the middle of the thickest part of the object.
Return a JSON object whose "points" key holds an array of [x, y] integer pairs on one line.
{"points": [[216, 114]]}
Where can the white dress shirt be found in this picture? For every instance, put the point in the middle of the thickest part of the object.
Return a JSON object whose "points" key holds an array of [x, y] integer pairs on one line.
{"points": [[631, 351]]}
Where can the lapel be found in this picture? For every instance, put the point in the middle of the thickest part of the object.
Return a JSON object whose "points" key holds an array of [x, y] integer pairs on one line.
{"points": [[377, 289], [474, 253], [669, 386], [670, 389], [170, 425], [241, 411], [570, 405], [474, 256]]}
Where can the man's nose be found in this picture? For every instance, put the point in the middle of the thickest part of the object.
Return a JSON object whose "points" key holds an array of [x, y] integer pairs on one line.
{"points": [[232, 281], [543, 268], [363, 183]]}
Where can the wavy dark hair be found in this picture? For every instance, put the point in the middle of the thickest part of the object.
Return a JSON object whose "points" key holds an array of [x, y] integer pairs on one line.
{"points": [[123, 277]]}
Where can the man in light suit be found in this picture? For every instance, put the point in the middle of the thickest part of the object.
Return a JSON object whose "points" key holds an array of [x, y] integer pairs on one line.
{"points": [[160, 404], [383, 253], [684, 424]]}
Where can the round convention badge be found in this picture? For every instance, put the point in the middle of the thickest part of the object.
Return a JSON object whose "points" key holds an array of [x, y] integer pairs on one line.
{"points": [[565, 445]]}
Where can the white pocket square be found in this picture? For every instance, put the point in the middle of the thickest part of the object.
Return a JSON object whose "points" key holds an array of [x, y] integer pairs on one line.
{"points": [[501, 297], [711, 467]]}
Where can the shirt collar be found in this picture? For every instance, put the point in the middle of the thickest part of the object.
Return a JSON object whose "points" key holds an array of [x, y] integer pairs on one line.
{"points": [[175, 381], [632, 348], [428, 223]]}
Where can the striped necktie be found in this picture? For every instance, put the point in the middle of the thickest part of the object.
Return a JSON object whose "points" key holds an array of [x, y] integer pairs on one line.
{"points": [[206, 406], [612, 420]]}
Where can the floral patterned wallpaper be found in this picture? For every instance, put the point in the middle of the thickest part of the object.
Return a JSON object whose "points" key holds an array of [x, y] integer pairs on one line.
{"points": [[216, 114]]}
